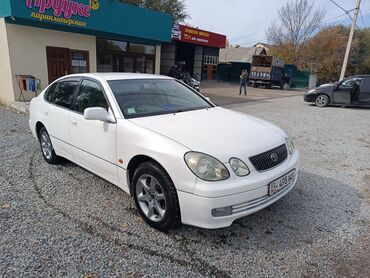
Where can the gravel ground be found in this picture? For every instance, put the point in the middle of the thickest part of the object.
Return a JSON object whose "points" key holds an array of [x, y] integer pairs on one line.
{"points": [[64, 221]]}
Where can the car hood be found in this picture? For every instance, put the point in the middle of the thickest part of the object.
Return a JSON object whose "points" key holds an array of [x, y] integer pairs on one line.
{"points": [[219, 132], [326, 87]]}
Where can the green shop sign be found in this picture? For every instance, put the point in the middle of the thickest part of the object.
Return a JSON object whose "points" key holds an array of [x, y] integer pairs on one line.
{"points": [[95, 17]]}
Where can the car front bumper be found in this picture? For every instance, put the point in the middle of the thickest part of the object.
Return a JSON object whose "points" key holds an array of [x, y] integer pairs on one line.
{"points": [[196, 210], [309, 97]]}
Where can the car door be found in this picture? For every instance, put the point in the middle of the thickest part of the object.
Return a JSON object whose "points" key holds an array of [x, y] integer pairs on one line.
{"points": [[364, 93], [60, 97], [342, 92], [93, 142]]}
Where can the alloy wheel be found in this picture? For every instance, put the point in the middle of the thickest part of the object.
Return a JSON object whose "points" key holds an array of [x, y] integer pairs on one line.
{"points": [[47, 148], [321, 100], [151, 198]]}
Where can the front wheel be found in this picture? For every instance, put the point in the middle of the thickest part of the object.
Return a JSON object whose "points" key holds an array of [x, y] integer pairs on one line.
{"points": [[155, 196], [322, 100]]}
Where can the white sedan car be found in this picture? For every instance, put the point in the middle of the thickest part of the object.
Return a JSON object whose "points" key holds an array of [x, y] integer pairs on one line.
{"points": [[182, 158]]}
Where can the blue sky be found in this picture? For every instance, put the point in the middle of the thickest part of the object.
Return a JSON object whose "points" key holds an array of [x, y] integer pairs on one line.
{"points": [[244, 21]]}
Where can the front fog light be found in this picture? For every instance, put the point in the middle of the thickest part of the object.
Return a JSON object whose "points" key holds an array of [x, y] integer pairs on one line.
{"points": [[219, 212], [239, 167]]}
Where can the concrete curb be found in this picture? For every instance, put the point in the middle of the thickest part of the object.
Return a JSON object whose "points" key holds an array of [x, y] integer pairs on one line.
{"points": [[23, 107]]}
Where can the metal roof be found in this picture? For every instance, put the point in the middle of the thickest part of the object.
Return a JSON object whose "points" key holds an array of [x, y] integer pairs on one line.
{"points": [[239, 54]]}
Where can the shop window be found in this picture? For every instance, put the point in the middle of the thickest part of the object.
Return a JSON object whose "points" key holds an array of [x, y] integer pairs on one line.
{"points": [[103, 44], [140, 64], [105, 62], [210, 60], [149, 66], [142, 48], [80, 61], [118, 56], [128, 64]]}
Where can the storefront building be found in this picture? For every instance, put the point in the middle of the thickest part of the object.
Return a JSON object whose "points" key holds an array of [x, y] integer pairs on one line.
{"points": [[195, 50], [47, 39]]}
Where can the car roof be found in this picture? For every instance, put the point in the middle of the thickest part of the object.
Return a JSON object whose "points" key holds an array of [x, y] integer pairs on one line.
{"points": [[358, 76], [119, 76]]}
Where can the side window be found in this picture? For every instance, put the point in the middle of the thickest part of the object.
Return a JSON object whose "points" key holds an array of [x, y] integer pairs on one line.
{"points": [[349, 82], [89, 95], [50, 92], [63, 94]]}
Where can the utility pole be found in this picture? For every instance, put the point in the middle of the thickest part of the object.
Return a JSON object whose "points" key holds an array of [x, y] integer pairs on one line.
{"points": [[348, 50]]}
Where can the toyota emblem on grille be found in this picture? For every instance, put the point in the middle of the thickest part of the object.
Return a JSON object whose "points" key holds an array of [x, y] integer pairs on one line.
{"points": [[274, 157]]}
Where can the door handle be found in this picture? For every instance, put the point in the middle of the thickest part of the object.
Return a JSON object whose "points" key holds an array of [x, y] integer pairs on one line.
{"points": [[73, 122]]}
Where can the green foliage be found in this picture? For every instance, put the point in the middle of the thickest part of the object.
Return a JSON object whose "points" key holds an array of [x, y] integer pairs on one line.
{"points": [[176, 8]]}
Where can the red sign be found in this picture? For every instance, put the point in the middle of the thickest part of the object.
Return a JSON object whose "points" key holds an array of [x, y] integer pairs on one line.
{"points": [[197, 36]]}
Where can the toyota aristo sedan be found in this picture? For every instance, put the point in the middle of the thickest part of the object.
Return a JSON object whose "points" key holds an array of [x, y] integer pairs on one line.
{"points": [[179, 156]]}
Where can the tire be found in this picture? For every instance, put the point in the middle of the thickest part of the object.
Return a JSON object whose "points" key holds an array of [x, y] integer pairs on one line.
{"points": [[322, 100], [155, 196], [47, 149]]}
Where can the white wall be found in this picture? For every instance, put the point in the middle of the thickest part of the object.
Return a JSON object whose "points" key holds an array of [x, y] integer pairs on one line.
{"points": [[6, 85], [27, 47]]}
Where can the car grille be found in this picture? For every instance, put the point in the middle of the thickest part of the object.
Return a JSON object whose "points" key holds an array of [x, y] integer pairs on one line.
{"points": [[269, 159]]}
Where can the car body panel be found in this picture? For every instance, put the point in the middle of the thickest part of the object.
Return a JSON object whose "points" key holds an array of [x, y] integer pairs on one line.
{"points": [[197, 210], [101, 154], [201, 131], [107, 148], [133, 140]]}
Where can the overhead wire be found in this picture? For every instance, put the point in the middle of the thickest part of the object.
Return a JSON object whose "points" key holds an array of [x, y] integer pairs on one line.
{"points": [[348, 12]]}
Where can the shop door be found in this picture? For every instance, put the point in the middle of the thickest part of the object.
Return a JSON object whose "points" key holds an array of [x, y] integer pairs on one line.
{"points": [[59, 62], [210, 69]]}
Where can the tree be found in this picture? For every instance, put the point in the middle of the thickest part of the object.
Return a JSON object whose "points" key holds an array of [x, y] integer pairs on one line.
{"points": [[176, 8], [297, 22], [323, 53], [361, 59]]}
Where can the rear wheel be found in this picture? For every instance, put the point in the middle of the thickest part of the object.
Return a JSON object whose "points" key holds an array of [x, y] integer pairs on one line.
{"points": [[155, 196], [322, 100], [47, 147]]}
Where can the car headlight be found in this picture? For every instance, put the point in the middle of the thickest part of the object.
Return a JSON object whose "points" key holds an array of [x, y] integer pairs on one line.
{"points": [[311, 91], [289, 144], [239, 167], [206, 167]]}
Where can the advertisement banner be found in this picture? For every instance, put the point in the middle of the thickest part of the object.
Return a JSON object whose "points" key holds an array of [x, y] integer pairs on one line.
{"points": [[197, 36]]}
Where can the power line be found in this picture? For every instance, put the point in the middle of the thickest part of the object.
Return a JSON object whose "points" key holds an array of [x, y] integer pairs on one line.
{"points": [[335, 17], [340, 7], [362, 19], [346, 11]]}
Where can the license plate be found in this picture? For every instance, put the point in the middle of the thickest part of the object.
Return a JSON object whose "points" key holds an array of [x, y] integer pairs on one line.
{"points": [[282, 182]]}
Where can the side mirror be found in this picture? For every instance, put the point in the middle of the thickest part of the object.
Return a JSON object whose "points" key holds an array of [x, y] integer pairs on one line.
{"points": [[97, 114]]}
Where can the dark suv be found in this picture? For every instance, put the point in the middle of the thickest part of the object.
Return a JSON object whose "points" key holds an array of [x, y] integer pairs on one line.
{"points": [[353, 91]]}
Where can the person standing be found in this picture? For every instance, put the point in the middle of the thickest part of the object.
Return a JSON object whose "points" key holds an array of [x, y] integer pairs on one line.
{"points": [[243, 82]]}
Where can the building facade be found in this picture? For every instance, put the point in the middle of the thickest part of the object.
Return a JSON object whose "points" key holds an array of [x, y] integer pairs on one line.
{"points": [[48, 39], [195, 50]]}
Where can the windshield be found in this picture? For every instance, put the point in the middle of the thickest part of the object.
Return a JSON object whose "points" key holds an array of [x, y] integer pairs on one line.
{"points": [[150, 97]]}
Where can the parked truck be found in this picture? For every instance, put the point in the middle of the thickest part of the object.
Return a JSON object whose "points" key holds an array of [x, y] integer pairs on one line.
{"points": [[266, 71]]}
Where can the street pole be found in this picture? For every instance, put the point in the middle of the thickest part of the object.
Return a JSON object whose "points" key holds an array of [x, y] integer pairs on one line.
{"points": [[348, 50]]}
